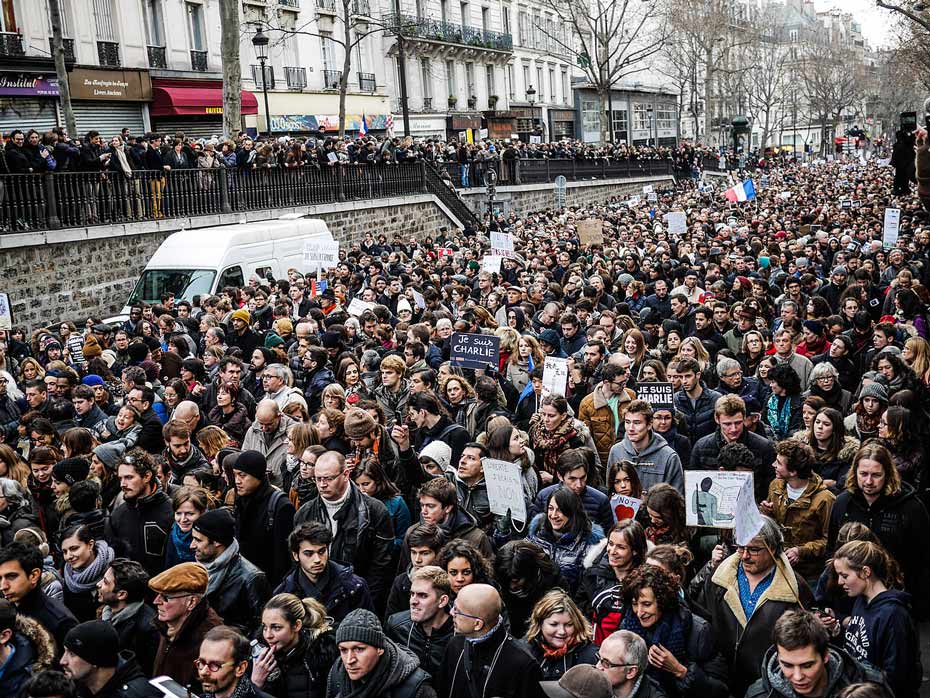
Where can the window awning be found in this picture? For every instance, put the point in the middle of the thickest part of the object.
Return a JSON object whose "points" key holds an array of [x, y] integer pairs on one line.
{"points": [[183, 101]]}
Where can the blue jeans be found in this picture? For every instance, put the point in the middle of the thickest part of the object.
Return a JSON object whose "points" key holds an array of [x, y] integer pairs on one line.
{"points": [[465, 167]]}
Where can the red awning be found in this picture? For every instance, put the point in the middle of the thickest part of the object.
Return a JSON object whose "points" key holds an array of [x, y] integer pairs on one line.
{"points": [[182, 101]]}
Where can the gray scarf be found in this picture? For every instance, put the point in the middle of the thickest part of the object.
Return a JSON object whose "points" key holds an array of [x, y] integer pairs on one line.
{"points": [[86, 579], [219, 567]]}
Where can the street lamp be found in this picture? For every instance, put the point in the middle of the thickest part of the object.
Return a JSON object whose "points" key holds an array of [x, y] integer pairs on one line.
{"points": [[531, 95], [260, 42], [649, 113]]}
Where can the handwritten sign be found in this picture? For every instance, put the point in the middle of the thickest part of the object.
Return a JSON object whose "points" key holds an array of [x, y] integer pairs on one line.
{"points": [[711, 497], [475, 350], [491, 263], [591, 232], [647, 189], [660, 395], [624, 507], [892, 226], [505, 488], [321, 254], [358, 306], [502, 244], [555, 375], [677, 222], [6, 312]]}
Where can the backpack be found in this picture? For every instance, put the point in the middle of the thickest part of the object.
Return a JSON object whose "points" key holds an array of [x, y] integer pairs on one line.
{"points": [[274, 503]]}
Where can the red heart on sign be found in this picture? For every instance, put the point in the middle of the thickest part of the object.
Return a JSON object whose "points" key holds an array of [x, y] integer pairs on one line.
{"points": [[623, 512]]}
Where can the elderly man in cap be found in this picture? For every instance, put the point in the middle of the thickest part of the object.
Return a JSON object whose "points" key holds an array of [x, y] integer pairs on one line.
{"points": [[582, 681], [92, 660], [264, 516], [184, 618], [237, 589], [370, 665]]}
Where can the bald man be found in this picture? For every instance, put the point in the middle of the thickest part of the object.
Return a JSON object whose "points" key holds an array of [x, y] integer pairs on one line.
{"points": [[189, 413], [482, 659], [267, 436]]}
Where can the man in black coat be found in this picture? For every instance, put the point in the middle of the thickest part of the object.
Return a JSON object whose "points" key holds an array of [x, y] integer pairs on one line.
{"points": [[364, 532], [482, 658], [122, 591], [93, 661], [237, 590], [264, 517], [150, 438], [427, 627], [143, 521]]}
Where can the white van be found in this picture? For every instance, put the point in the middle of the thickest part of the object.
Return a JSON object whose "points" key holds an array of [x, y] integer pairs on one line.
{"points": [[202, 262]]}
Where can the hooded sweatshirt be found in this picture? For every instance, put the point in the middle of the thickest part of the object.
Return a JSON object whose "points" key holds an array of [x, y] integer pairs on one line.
{"points": [[882, 633], [656, 463], [842, 671]]}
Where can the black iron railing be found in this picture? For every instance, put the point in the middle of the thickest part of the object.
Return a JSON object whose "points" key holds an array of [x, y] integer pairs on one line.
{"points": [[157, 57], [332, 79], [67, 44], [11, 45], [367, 82], [296, 78], [435, 30], [108, 53], [529, 171], [290, 3], [326, 5], [199, 61], [267, 80]]}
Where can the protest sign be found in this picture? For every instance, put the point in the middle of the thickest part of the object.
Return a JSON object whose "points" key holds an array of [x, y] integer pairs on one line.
{"points": [[634, 201], [502, 244], [475, 350], [659, 395], [418, 299], [591, 232], [358, 306], [624, 507], [711, 497], [491, 263], [647, 189], [652, 196], [321, 254], [677, 222], [505, 488], [748, 518], [555, 375], [6, 312], [892, 225]]}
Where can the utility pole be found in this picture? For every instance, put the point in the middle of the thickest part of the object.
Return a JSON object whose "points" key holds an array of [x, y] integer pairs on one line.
{"points": [[402, 69], [58, 53]]}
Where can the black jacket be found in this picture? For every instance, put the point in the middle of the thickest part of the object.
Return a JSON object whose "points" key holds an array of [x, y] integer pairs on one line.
{"points": [[135, 626], [430, 649], [129, 681], [144, 524], [302, 671], [705, 451], [364, 538], [500, 666], [150, 438], [553, 669], [34, 652], [50, 613], [339, 589], [262, 534], [194, 461], [241, 596]]}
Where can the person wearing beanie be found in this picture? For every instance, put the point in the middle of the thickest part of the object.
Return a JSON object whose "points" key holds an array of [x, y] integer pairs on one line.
{"points": [[328, 302], [137, 353], [104, 460], [264, 515], [873, 401], [184, 618], [832, 292], [242, 335], [91, 348], [237, 590], [92, 660], [68, 471], [372, 665]]}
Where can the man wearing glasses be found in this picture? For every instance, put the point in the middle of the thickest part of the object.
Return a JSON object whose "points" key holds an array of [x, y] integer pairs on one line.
{"points": [[185, 618], [223, 663], [623, 658]]}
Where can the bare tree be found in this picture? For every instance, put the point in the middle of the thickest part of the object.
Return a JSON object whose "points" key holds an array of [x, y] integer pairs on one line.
{"points": [[914, 10], [232, 67], [912, 52], [58, 54], [615, 39], [768, 82], [680, 66], [829, 87]]}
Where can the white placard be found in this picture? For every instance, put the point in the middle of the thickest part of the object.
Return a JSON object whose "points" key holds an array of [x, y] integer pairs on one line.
{"points": [[652, 196], [748, 517], [505, 488], [502, 244], [358, 306], [892, 225], [321, 254], [535, 139], [624, 507], [647, 189], [677, 222], [711, 496], [6, 312], [555, 375], [418, 299], [491, 263], [634, 201]]}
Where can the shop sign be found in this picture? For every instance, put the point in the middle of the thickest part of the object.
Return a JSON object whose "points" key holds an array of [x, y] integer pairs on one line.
{"points": [[23, 85], [112, 85]]}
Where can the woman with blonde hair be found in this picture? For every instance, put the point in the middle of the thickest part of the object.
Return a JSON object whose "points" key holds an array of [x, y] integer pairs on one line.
{"points": [[916, 355], [509, 338], [13, 467], [559, 635], [519, 364], [334, 397], [188, 504], [211, 439], [296, 650], [300, 437], [31, 369], [693, 348]]}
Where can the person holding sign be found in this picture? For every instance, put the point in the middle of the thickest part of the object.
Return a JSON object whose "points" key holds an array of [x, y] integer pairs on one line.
{"points": [[552, 432]]}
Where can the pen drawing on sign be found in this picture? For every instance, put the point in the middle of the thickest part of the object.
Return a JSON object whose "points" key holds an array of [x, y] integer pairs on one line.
{"points": [[711, 497]]}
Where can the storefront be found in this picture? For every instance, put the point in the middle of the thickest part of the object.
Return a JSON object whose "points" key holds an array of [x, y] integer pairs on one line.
{"points": [[561, 124], [465, 128], [110, 100], [530, 125], [423, 127], [193, 107], [502, 125], [28, 101]]}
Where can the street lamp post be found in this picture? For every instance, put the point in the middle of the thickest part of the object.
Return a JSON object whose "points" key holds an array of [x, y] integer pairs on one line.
{"points": [[649, 115], [531, 100], [260, 42]]}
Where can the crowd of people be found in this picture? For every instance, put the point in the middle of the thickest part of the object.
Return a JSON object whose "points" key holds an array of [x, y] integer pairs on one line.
{"points": [[259, 493]]}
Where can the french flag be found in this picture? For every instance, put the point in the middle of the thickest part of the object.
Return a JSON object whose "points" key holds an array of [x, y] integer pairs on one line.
{"points": [[363, 127], [744, 191]]}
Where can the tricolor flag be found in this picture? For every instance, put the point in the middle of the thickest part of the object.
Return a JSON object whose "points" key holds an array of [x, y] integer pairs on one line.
{"points": [[317, 287], [363, 129], [389, 125], [744, 191]]}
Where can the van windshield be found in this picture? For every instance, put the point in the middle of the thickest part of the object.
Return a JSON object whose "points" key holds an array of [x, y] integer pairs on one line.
{"points": [[184, 283]]}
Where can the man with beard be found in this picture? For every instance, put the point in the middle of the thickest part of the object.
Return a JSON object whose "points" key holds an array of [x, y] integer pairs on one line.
{"points": [[427, 627], [180, 454], [223, 665], [92, 660]]}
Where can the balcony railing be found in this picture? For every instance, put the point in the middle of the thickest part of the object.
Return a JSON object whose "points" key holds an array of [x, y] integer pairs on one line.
{"points": [[427, 104], [447, 32], [199, 61], [326, 5], [290, 3], [296, 78], [67, 44], [157, 57], [361, 8], [367, 82], [11, 44], [268, 83], [108, 53], [332, 79]]}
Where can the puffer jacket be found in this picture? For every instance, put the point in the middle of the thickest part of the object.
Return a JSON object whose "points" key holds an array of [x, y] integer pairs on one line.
{"points": [[302, 671], [700, 415], [596, 505], [805, 522], [599, 418], [34, 652], [553, 669], [566, 551], [428, 648], [600, 594]]}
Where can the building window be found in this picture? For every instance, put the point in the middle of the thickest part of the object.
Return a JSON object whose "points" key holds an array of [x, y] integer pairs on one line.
{"points": [[154, 23], [489, 79], [195, 25], [526, 78], [540, 85], [444, 10], [485, 18], [590, 116], [552, 93], [538, 39], [665, 116], [329, 58], [510, 86], [450, 78], [104, 21], [505, 18], [620, 124], [793, 35], [522, 21], [470, 79], [7, 17], [566, 90], [640, 118], [463, 8], [425, 79]]}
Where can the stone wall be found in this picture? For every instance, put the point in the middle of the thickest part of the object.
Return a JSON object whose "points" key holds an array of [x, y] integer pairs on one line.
{"points": [[75, 273]]}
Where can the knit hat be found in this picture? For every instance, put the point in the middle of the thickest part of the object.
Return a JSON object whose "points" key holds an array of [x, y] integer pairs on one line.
{"points": [[71, 470], [95, 641], [110, 454], [358, 424], [839, 271], [331, 340], [137, 351], [91, 348], [92, 379], [283, 326], [252, 463], [185, 578], [241, 314], [581, 681], [439, 452], [876, 390], [361, 625], [550, 337], [402, 305], [273, 340], [218, 525], [814, 326]]}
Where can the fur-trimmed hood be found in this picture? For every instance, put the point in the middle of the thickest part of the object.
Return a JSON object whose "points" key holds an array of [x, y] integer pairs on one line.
{"points": [[784, 586]]}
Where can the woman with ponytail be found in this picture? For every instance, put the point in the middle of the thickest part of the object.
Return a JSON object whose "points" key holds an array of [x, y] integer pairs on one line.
{"points": [[296, 650], [880, 630]]}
